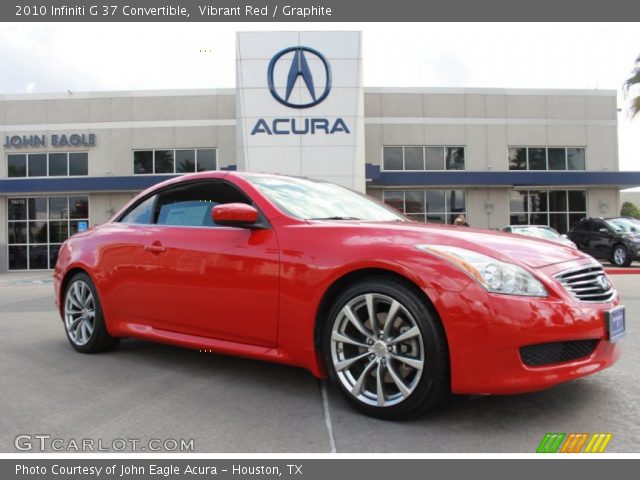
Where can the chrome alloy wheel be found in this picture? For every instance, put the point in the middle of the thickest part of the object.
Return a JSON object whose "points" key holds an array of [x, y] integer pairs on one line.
{"points": [[79, 312], [377, 350], [619, 256]]}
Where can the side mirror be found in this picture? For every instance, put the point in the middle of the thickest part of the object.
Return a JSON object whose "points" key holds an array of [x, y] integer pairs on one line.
{"points": [[234, 215], [564, 235], [603, 230]]}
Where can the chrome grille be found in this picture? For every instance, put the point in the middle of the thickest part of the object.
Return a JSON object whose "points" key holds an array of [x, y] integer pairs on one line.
{"points": [[587, 283]]}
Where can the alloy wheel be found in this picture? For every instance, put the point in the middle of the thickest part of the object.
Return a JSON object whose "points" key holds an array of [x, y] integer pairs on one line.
{"points": [[377, 350], [79, 313], [619, 256]]}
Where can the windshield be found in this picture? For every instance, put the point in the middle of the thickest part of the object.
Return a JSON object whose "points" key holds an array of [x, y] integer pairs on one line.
{"points": [[623, 226], [315, 200], [545, 233]]}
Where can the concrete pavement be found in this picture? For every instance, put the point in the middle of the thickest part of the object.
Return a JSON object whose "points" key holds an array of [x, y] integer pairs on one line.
{"points": [[143, 391]]}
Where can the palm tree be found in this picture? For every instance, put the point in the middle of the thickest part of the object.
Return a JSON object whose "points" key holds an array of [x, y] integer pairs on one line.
{"points": [[632, 86]]}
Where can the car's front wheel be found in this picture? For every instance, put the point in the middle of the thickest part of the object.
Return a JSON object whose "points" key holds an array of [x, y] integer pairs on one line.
{"points": [[620, 256], [386, 350], [83, 318]]}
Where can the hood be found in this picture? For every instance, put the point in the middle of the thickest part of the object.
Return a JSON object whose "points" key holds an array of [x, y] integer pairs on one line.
{"points": [[519, 249], [631, 235]]}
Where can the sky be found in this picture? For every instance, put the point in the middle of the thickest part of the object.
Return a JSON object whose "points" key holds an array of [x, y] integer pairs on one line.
{"points": [[148, 56]]}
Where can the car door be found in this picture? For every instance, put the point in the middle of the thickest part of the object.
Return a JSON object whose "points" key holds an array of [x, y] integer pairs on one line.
{"points": [[581, 234], [205, 279], [600, 239], [118, 250]]}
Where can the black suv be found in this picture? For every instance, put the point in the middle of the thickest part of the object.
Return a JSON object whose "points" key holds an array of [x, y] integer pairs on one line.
{"points": [[614, 239]]}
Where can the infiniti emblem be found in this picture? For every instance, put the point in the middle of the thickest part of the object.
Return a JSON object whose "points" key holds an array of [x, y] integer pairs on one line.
{"points": [[300, 68], [603, 282]]}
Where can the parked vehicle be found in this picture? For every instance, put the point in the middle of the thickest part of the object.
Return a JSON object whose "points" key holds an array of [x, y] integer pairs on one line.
{"points": [[397, 313], [628, 224], [613, 239], [540, 231]]}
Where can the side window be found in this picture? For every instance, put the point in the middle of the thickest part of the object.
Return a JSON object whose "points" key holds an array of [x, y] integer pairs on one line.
{"points": [[190, 204], [582, 226], [141, 213]]}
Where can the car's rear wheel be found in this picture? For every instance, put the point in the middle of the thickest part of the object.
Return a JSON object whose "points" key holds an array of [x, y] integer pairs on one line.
{"points": [[83, 318], [385, 349], [620, 256]]}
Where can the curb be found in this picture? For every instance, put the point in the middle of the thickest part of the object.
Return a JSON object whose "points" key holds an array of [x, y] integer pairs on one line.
{"points": [[623, 271]]}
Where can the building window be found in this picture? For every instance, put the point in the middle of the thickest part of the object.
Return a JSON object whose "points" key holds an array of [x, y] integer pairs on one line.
{"points": [[543, 158], [559, 209], [421, 158], [37, 226], [432, 206], [168, 162], [53, 164]]}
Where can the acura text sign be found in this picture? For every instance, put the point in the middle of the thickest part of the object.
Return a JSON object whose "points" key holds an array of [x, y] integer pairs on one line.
{"points": [[299, 71], [300, 105]]}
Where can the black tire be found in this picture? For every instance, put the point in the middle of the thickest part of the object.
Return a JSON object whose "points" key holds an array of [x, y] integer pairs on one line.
{"points": [[424, 391], [82, 338], [620, 256]]}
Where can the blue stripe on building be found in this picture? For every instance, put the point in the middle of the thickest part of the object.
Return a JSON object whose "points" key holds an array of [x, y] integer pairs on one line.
{"points": [[84, 184], [501, 179], [373, 174]]}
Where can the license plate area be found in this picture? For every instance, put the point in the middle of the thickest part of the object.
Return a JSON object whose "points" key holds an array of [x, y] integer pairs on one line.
{"points": [[616, 323]]}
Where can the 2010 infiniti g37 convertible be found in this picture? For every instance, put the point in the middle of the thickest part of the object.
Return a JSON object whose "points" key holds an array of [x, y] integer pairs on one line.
{"points": [[397, 313]]}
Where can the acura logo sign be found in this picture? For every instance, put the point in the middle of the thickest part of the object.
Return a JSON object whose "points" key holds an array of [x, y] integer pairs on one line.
{"points": [[299, 71]]}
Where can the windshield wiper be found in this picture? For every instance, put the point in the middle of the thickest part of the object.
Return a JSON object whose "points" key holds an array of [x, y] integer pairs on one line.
{"points": [[336, 218]]}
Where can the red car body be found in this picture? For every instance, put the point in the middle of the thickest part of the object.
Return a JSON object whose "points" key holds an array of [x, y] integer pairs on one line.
{"points": [[260, 293]]}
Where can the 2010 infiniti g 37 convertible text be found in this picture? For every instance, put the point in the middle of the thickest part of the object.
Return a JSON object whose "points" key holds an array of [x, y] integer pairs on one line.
{"points": [[397, 313]]}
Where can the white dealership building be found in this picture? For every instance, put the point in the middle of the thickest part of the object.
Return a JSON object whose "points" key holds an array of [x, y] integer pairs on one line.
{"points": [[68, 161]]}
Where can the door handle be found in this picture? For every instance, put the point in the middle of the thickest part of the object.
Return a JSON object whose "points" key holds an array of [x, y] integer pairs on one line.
{"points": [[156, 247]]}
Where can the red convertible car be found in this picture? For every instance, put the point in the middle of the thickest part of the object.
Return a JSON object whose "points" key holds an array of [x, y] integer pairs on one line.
{"points": [[397, 313]]}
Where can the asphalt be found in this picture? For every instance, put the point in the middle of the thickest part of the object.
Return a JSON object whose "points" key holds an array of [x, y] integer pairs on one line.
{"points": [[148, 391]]}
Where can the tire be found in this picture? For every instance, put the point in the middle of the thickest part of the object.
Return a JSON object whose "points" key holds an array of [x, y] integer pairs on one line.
{"points": [[620, 256], [362, 363], [82, 317]]}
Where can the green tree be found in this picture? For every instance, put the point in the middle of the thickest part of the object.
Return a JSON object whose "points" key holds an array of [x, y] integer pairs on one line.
{"points": [[630, 210], [631, 88]]}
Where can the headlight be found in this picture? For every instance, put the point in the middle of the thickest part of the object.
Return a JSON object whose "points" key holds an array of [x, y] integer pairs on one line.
{"points": [[495, 276]]}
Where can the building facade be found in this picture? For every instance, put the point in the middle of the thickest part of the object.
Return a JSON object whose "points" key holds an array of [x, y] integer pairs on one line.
{"points": [[70, 161]]}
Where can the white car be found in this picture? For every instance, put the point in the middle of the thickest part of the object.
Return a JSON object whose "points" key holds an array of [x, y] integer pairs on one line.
{"points": [[540, 231]]}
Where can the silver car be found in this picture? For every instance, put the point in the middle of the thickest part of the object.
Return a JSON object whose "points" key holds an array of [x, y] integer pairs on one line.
{"points": [[540, 231]]}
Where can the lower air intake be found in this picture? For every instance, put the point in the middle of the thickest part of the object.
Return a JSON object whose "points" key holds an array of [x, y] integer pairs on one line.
{"points": [[556, 352]]}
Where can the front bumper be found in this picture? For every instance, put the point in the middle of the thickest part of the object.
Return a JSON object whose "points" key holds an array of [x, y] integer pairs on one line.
{"points": [[486, 332]]}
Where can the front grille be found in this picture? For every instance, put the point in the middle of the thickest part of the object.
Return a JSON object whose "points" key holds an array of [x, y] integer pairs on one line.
{"points": [[557, 352], [587, 283]]}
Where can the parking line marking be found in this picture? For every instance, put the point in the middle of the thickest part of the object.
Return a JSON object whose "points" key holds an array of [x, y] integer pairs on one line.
{"points": [[327, 416]]}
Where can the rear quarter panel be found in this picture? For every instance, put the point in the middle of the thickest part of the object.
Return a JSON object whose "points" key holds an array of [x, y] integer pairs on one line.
{"points": [[107, 253]]}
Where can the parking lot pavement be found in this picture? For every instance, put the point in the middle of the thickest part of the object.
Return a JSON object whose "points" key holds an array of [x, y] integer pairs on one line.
{"points": [[144, 391]]}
